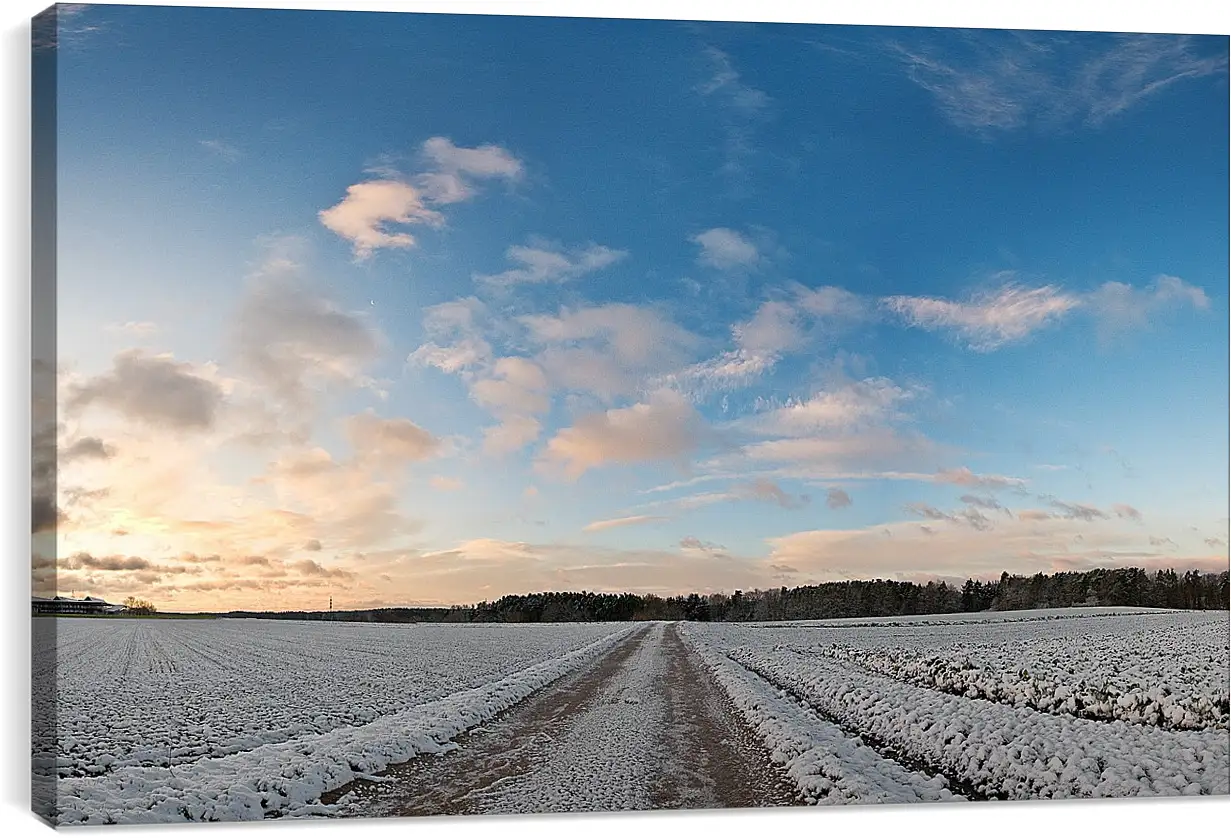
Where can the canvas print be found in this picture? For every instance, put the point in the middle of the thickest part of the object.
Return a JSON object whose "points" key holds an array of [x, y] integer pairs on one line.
{"points": [[470, 415]]}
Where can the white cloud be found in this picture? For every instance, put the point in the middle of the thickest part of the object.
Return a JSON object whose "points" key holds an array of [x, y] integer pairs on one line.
{"points": [[988, 320], [859, 403], [446, 484], [1121, 308], [726, 249], [454, 358], [293, 340], [512, 434], [456, 342], [840, 452], [607, 350], [485, 161], [369, 207], [776, 329], [542, 264], [514, 390], [361, 216], [832, 303], [397, 441], [517, 386], [664, 428], [760, 343]]}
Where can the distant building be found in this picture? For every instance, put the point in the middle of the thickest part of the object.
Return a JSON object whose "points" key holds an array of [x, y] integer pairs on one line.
{"points": [[66, 605]]}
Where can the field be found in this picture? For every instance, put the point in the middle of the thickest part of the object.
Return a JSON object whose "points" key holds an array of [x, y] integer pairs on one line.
{"points": [[243, 719]]}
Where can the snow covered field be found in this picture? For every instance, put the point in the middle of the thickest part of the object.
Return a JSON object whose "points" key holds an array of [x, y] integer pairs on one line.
{"points": [[165, 720], [1065, 703], [268, 714]]}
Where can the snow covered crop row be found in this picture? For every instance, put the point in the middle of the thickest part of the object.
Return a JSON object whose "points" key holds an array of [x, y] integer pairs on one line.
{"points": [[143, 693], [1106, 677], [826, 764], [1009, 748], [1168, 670], [288, 778]]}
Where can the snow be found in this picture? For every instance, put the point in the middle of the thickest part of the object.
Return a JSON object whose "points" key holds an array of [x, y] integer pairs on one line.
{"points": [[453, 677], [896, 684], [170, 692], [605, 759], [827, 765], [235, 720]]}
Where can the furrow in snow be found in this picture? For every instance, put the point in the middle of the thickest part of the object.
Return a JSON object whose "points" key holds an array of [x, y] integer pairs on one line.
{"points": [[1002, 751], [825, 763]]}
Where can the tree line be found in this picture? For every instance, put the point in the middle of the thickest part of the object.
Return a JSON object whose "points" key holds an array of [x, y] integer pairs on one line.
{"points": [[875, 598]]}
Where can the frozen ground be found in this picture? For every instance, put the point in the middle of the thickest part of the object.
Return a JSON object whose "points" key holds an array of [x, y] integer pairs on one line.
{"points": [[221, 720], [644, 727], [144, 693], [453, 679]]}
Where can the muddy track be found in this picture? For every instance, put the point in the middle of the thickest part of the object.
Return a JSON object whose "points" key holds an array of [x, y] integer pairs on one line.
{"points": [[445, 784], [645, 726], [713, 758]]}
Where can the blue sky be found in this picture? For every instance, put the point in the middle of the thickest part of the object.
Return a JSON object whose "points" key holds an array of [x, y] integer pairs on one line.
{"points": [[422, 308]]}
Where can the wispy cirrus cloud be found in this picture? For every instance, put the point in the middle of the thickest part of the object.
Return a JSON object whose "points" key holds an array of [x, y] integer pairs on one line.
{"points": [[456, 336], [778, 328], [992, 319], [759, 344], [219, 148], [851, 405], [66, 26], [133, 328], [761, 489], [987, 320], [963, 476], [743, 107], [999, 82], [629, 521]]}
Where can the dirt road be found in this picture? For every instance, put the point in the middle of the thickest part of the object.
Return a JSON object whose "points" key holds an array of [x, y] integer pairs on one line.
{"points": [[643, 727]]}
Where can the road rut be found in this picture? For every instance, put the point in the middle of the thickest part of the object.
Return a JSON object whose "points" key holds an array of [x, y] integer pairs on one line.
{"points": [[643, 727]]}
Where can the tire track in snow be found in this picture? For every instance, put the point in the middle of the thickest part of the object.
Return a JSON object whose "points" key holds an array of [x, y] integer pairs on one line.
{"points": [[644, 727]]}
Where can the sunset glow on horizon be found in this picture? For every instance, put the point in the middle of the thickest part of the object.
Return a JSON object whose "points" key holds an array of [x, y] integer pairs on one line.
{"points": [[402, 309]]}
